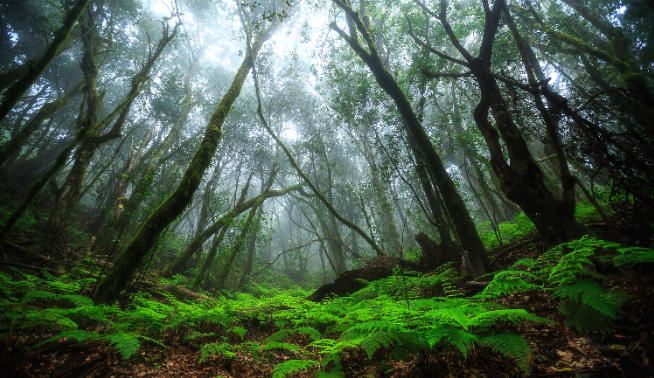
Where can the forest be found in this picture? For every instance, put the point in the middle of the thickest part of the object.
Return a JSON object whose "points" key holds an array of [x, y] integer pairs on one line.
{"points": [[326, 188]]}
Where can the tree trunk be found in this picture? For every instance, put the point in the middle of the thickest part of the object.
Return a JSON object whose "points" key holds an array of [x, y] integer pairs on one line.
{"points": [[522, 179], [93, 138], [461, 219], [252, 249], [18, 141], [211, 256], [36, 67], [224, 271], [133, 255], [389, 235]]}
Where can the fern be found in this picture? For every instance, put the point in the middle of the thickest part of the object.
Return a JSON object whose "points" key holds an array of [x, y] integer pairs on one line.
{"points": [[78, 335], [372, 326], [588, 307], [572, 266], [216, 349], [281, 346], [77, 300], [280, 335], [509, 282], [584, 319], [49, 317], [510, 345], [195, 335], [592, 295], [126, 344], [293, 366], [488, 319], [400, 343], [239, 331], [311, 333], [629, 256], [460, 339]]}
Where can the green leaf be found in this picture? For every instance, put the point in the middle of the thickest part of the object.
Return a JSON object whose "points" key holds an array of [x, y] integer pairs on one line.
{"points": [[127, 345], [293, 366]]}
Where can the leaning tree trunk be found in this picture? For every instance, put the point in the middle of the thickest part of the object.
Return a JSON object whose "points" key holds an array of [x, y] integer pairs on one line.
{"points": [[457, 210], [131, 258], [35, 68], [18, 141], [94, 138]]}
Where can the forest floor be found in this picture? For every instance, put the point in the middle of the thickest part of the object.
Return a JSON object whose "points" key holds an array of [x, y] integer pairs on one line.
{"points": [[405, 325]]}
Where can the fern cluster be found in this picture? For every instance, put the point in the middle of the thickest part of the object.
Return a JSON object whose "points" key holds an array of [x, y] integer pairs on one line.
{"points": [[223, 349], [399, 326], [569, 271], [389, 318]]}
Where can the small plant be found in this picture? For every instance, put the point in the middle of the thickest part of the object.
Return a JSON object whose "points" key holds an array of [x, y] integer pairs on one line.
{"points": [[290, 367], [223, 350]]}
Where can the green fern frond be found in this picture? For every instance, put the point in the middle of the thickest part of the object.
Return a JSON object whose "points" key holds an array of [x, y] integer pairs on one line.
{"points": [[126, 344], [239, 331], [460, 339], [369, 327], [280, 335], [453, 317], [91, 312], [216, 349], [509, 282], [78, 335], [290, 367], [629, 256], [584, 319], [514, 315], [572, 266], [49, 317], [195, 335], [77, 300], [592, 295], [380, 340], [510, 345], [34, 295], [311, 333], [526, 262], [281, 346]]}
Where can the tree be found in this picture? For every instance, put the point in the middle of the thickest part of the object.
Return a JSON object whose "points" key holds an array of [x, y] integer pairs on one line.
{"points": [[35, 67], [520, 176], [132, 256], [418, 139]]}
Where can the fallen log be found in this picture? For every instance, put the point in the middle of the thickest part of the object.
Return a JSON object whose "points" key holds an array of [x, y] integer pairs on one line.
{"points": [[353, 280]]}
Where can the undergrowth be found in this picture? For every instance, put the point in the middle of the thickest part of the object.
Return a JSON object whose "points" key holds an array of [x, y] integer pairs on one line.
{"points": [[391, 318], [521, 226], [571, 272]]}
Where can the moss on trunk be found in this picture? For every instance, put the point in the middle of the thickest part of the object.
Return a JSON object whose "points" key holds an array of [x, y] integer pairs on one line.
{"points": [[131, 258]]}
